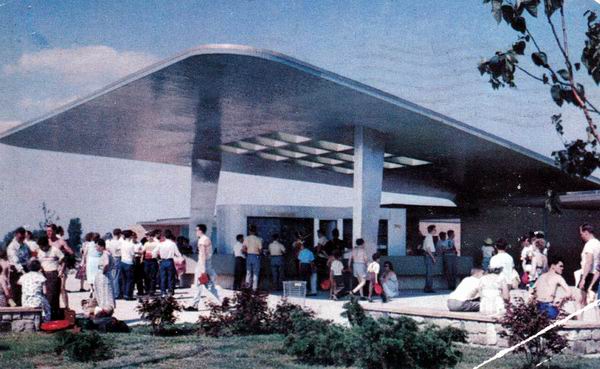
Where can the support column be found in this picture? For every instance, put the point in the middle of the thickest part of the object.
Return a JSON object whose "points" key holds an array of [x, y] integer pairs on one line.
{"points": [[205, 182], [368, 177]]}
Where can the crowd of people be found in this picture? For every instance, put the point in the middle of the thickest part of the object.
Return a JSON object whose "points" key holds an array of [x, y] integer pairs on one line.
{"points": [[488, 287], [330, 264], [33, 272]]}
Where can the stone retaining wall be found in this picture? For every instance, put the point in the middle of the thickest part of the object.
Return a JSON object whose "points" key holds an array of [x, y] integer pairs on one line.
{"points": [[20, 319], [583, 337]]}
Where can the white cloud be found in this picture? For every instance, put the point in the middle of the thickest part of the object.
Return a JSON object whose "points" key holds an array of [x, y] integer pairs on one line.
{"points": [[5, 125], [44, 105], [96, 64]]}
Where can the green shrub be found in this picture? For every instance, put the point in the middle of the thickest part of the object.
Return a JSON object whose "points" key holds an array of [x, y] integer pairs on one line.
{"points": [[83, 346], [282, 317], [317, 341], [373, 344], [159, 311], [522, 320], [246, 314]]}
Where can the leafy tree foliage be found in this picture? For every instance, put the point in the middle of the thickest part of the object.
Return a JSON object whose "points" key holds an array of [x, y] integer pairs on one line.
{"points": [[74, 231], [522, 320], [581, 156]]}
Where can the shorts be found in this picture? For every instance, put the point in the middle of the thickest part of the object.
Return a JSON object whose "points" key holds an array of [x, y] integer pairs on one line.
{"points": [[588, 282], [548, 308], [372, 277], [339, 281], [360, 270]]}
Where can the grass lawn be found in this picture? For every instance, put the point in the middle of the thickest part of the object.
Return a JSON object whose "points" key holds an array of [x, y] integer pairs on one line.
{"points": [[140, 349]]}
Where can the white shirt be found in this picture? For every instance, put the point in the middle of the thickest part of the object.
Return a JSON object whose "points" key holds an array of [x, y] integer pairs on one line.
{"points": [[468, 289], [592, 246], [50, 259], [428, 244], [237, 250], [373, 267], [276, 249], [205, 247], [166, 250], [337, 267], [504, 261], [127, 251], [114, 247]]}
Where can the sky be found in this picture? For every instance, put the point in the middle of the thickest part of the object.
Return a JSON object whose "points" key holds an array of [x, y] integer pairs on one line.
{"points": [[424, 51]]}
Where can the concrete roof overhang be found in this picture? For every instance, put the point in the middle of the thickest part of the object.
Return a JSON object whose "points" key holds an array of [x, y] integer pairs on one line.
{"points": [[187, 106]]}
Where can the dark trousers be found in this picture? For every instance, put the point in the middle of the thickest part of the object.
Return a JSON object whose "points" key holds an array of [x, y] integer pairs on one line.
{"points": [[450, 261], [138, 276], [53, 293], [305, 273], [239, 272], [127, 273], [167, 276], [15, 288], [276, 271], [428, 273], [150, 274]]}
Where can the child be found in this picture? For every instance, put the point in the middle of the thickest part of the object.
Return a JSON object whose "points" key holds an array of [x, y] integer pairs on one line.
{"points": [[372, 273], [335, 275], [32, 285]]}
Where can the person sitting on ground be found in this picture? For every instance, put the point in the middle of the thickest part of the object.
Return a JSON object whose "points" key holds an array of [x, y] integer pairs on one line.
{"points": [[358, 260], [466, 296], [546, 286], [32, 286], [389, 282], [494, 292], [373, 273], [335, 275]]}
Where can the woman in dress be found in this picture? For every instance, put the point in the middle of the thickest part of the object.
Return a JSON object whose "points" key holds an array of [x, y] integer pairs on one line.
{"points": [[358, 260], [389, 281], [81, 272], [91, 261], [493, 289], [103, 290]]}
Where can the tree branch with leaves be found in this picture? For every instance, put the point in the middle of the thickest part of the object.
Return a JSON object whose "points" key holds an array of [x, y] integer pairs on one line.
{"points": [[580, 157]]}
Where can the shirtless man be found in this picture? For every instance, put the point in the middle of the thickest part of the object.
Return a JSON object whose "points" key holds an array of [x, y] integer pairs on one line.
{"points": [[546, 286]]}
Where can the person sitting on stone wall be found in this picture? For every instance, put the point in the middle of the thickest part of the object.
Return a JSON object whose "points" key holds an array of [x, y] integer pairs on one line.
{"points": [[466, 296], [546, 287]]}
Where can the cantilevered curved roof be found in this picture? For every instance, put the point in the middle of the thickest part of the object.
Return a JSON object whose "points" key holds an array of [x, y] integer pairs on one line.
{"points": [[215, 97]]}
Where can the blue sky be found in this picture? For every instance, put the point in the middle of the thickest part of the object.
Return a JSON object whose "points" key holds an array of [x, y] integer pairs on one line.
{"points": [[425, 51]]}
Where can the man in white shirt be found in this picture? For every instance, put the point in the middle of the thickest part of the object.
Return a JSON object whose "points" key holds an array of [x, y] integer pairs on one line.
{"points": [[429, 249], [167, 250], [52, 261], [276, 251], [503, 260], [114, 247], [240, 262], [127, 255], [204, 265], [590, 260], [466, 296], [18, 253]]}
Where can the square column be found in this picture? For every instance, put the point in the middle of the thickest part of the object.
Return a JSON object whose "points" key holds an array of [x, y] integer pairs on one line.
{"points": [[368, 177], [205, 183]]}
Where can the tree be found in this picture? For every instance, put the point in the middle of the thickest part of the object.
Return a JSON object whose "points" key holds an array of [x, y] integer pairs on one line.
{"points": [[74, 231], [50, 217], [581, 156]]}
